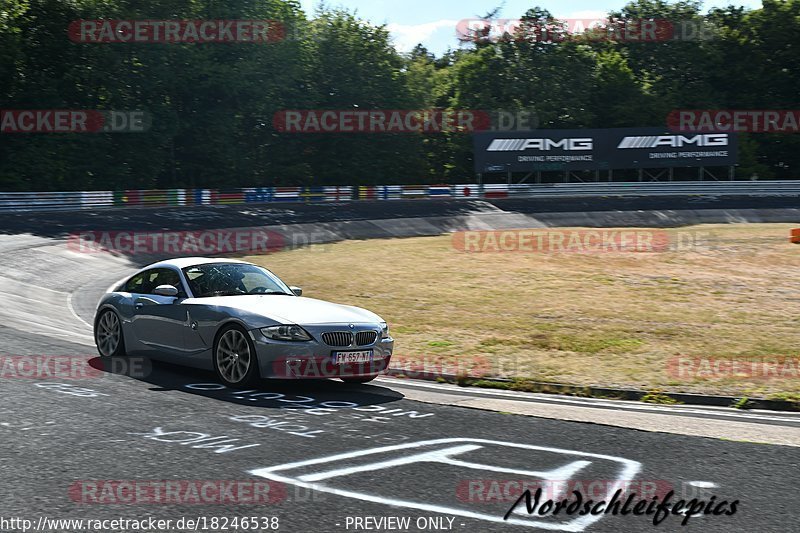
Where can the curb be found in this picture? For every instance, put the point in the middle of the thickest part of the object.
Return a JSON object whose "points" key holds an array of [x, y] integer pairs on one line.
{"points": [[597, 392]]}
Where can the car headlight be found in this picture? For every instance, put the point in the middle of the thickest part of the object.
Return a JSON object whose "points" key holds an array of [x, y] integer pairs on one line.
{"points": [[286, 333], [384, 330]]}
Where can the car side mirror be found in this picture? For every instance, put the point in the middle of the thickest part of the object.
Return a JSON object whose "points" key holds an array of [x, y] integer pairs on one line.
{"points": [[166, 290], [297, 291]]}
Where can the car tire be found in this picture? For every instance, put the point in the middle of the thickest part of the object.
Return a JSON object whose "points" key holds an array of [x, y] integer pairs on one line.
{"points": [[359, 380], [108, 335], [234, 358]]}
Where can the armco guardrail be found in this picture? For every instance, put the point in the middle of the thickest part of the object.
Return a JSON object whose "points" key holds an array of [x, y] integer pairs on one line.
{"points": [[675, 188], [50, 201]]}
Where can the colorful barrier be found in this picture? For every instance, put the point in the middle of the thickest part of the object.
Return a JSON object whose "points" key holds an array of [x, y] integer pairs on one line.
{"points": [[338, 194], [391, 192], [42, 201], [50, 201], [466, 191], [495, 191]]}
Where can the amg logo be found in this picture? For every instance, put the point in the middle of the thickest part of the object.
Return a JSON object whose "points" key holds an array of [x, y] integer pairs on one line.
{"points": [[674, 141], [519, 145]]}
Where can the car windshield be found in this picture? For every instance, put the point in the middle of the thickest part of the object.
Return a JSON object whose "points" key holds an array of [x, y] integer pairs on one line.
{"points": [[233, 279]]}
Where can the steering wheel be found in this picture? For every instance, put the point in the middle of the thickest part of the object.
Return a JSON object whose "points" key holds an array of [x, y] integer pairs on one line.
{"points": [[259, 290]]}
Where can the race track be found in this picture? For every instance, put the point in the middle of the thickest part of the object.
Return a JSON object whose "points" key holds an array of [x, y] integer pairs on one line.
{"points": [[323, 454]]}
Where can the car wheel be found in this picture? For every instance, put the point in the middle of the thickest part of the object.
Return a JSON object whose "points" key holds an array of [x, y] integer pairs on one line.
{"points": [[108, 335], [362, 379], [235, 360]]}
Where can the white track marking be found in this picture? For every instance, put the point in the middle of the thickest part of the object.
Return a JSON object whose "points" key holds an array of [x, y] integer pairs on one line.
{"points": [[629, 471], [39, 310], [588, 402], [74, 313], [703, 484]]}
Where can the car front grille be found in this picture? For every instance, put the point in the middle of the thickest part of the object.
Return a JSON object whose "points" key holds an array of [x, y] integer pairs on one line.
{"points": [[338, 338], [365, 338]]}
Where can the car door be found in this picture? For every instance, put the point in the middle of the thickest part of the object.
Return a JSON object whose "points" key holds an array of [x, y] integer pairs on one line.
{"points": [[160, 322]]}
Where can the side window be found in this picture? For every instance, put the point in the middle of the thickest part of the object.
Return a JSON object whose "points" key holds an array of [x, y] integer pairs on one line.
{"points": [[147, 281], [137, 282], [164, 276]]}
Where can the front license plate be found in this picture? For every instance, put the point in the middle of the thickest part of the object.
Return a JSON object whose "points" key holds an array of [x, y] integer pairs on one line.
{"points": [[341, 358]]}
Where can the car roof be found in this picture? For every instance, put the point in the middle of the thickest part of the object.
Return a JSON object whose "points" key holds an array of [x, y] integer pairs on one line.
{"points": [[185, 262]]}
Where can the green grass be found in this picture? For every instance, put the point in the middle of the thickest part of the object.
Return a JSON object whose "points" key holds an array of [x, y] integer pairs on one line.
{"points": [[742, 403], [659, 398], [613, 319]]}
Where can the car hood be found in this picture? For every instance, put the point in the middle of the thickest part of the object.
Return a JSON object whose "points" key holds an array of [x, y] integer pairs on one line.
{"points": [[294, 309]]}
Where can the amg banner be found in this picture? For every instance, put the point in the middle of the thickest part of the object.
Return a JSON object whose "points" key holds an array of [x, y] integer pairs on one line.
{"points": [[615, 148]]}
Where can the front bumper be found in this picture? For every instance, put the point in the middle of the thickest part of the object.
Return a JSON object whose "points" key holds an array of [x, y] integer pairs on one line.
{"points": [[314, 359]]}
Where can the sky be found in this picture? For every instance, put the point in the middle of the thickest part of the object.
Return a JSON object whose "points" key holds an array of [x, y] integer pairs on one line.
{"points": [[434, 22]]}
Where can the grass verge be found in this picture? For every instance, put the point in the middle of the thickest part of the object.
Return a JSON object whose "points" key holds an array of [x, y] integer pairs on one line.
{"points": [[617, 319]]}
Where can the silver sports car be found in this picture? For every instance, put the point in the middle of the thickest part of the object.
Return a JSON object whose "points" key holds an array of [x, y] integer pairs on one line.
{"points": [[240, 320]]}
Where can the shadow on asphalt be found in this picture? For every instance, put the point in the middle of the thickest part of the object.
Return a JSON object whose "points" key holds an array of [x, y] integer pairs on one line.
{"points": [[104, 227], [60, 224], [268, 394]]}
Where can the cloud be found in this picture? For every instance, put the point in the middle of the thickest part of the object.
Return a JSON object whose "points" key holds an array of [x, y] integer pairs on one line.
{"points": [[406, 37]]}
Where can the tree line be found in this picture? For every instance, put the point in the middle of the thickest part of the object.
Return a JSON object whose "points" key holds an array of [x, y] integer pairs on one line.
{"points": [[211, 107]]}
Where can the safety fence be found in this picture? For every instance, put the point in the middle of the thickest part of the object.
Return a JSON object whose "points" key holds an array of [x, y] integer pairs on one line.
{"points": [[45, 201]]}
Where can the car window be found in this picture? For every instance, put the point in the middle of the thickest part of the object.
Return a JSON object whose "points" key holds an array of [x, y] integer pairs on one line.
{"points": [[136, 283], [147, 281], [165, 276], [232, 279], [254, 280]]}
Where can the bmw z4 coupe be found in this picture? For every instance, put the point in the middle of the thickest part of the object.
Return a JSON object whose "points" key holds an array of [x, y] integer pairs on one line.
{"points": [[241, 321]]}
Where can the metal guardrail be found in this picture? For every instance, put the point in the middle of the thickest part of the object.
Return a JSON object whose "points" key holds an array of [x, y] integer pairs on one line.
{"points": [[31, 201], [675, 188], [61, 201]]}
